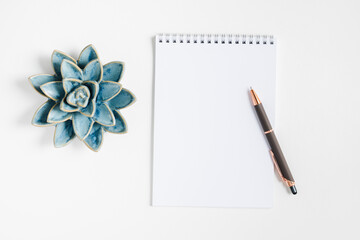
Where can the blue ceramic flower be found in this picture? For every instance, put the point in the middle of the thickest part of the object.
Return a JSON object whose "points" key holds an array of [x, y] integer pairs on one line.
{"points": [[84, 98]]}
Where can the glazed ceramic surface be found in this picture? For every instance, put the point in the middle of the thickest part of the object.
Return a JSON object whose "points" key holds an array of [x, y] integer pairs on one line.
{"points": [[83, 98]]}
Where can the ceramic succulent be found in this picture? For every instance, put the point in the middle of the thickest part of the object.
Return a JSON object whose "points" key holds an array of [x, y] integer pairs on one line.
{"points": [[84, 98]]}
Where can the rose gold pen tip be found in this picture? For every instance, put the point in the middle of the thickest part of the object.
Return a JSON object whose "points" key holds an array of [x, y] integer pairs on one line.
{"points": [[250, 88], [254, 97]]}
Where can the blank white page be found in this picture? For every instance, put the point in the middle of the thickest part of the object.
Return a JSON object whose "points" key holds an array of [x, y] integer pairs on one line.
{"points": [[209, 149]]}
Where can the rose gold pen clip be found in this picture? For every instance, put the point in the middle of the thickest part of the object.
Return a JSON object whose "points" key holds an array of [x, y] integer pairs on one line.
{"points": [[286, 181]]}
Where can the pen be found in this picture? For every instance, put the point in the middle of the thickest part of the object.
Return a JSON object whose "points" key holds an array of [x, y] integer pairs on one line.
{"points": [[276, 153]]}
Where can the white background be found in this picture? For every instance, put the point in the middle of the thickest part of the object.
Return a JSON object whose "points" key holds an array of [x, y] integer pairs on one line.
{"points": [[72, 193]]}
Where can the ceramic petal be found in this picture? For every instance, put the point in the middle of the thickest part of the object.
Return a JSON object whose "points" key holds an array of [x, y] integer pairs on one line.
{"points": [[64, 106], [87, 55], [64, 132], [113, 71], [40, 79], [103, 115], [40, 116], [93, 71], [57, 58], [89, 110], [94, 140], [69, 84], [56, 115], [108, 90], [53, 90], [82, 125], [122, 100], [70, 70], [120, 124], [79, 97], [93, 87]]}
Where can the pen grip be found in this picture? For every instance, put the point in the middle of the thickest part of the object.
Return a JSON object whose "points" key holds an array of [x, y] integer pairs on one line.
{"points": [[273, 142]]}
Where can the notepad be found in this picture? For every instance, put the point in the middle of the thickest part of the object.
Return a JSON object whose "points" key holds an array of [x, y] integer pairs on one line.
{"points": [[209, 149]]}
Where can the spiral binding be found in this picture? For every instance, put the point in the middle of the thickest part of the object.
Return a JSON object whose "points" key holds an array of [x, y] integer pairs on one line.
{"points": [[216, 39]]}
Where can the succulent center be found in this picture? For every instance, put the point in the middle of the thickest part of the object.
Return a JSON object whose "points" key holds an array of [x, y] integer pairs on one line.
{"points": [[79, 97]]}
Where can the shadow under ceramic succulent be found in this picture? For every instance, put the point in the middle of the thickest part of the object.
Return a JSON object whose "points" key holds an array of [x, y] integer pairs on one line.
{"points": [[84, 98]]}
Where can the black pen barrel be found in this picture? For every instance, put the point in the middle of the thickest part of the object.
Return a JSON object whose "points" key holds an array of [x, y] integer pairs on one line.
{"points": [[264, 120], [279, 156], [273, 142]]}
